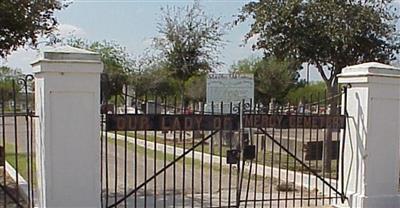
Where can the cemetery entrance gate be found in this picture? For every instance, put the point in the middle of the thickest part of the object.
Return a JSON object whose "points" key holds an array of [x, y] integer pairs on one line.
{"points": [[161, 152]]}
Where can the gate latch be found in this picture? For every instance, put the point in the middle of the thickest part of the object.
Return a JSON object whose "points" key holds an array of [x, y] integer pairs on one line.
{"points": [[233, 156], [249, 152]]}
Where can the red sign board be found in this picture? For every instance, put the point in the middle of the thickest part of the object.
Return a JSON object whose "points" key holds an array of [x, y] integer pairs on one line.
{"points": [[158, 122]]}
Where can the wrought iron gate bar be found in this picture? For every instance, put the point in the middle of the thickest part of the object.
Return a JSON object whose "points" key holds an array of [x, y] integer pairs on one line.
{"points": [[293, 199], [235, 108], [18, 114], [301, 162], [163, 169], [16, 123], [9, 194], [344, 89]]}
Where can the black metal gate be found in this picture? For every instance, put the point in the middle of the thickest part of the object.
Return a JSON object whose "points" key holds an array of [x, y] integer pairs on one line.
{"points": [[160, 152], [17, 168]]}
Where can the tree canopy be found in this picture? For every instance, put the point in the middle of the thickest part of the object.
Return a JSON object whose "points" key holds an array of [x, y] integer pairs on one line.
{"points": [[307, 93], [24, 21], [156, 81], [273, 78], [196, 88], [117, 63], [328, 34], [7, 77], [189, 41]]}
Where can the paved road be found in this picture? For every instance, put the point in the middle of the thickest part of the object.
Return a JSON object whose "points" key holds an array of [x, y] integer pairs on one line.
{"points": [[20, 135]]}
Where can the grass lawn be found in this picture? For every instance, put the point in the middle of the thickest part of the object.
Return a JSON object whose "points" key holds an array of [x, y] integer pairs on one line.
{"points": [[197, 163], [22, 161], [169, 157], [275, 159], [188, 161]]}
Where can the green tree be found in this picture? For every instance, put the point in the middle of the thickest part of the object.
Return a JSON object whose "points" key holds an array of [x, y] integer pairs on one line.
{"points": [[7, 77], [196, 88], [306, 93], [140, 81], [24, 21], [273, 78], [150, 77], [190, 41], [117, 64], [328, 34], [161, 83], [140, 77]]}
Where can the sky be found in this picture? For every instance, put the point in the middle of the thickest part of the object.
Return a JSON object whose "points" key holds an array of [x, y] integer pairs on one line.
{"points": [[133, 24]]}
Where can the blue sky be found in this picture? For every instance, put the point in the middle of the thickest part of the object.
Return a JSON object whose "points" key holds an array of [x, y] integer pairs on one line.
{"points": [[133, 23]]}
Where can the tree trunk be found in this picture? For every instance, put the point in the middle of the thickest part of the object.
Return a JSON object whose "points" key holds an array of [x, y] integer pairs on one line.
{"points": [[332, 91]]}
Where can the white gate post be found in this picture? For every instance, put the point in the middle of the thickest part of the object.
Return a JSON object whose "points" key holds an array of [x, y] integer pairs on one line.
{"points": [[371, 148], [67, 96]]}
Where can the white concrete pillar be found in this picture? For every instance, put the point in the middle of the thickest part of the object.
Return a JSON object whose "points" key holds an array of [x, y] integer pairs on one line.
{"points": [[67, 96], [371, 154]]}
